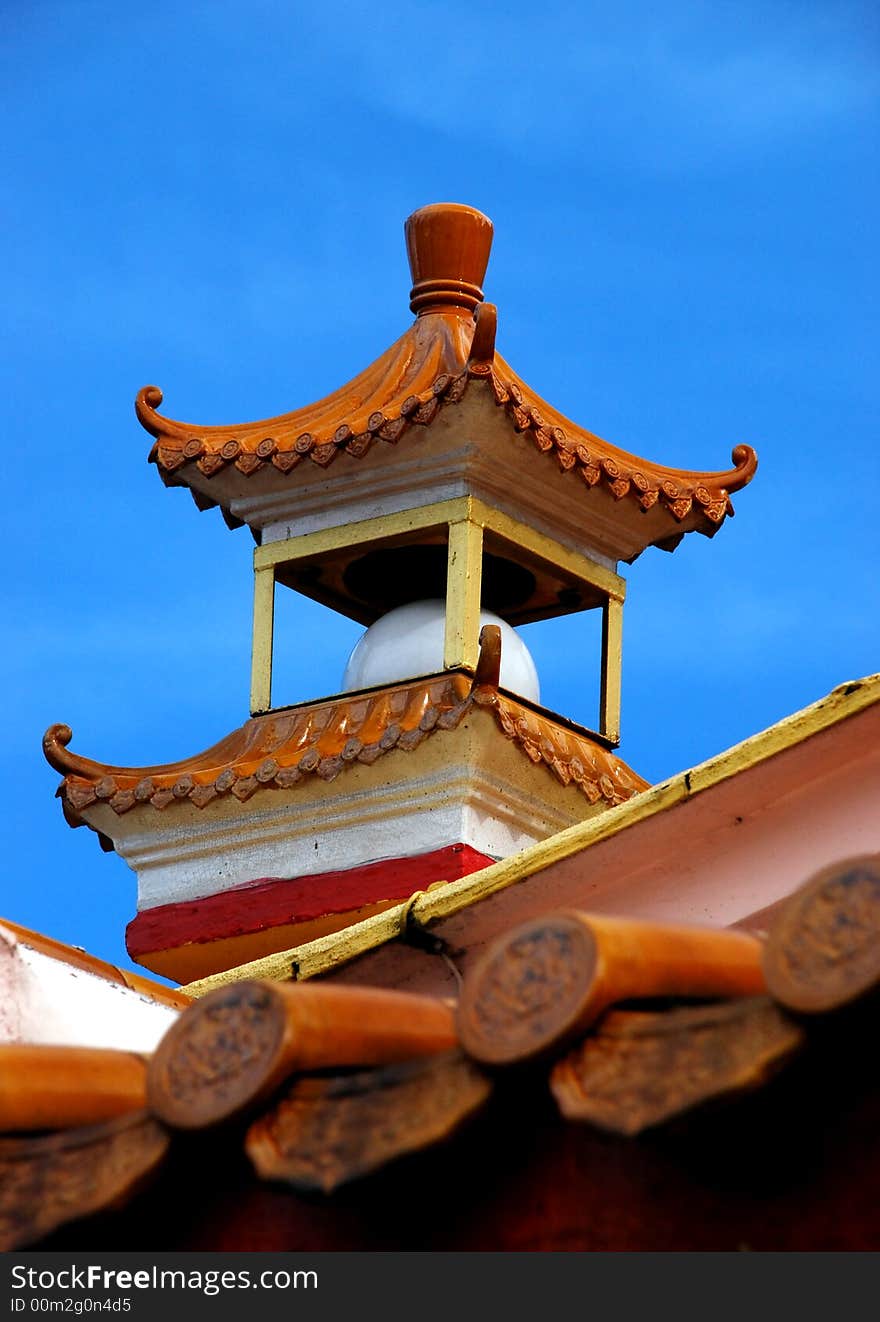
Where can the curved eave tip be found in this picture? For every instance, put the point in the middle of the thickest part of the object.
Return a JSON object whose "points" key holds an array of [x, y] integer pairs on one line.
{"points": [[146, 403], [55, 741], [745, 460]]}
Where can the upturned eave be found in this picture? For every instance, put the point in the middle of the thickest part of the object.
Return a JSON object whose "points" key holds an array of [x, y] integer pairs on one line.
{"points": [[278, 751], [428, 370]]}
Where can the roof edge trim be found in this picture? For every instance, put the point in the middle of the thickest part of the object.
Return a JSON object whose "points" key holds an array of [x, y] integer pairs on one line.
{"points": [[443, 900]]}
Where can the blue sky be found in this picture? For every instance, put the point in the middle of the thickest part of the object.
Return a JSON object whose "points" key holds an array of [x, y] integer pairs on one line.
{"points": [[211, 197]]}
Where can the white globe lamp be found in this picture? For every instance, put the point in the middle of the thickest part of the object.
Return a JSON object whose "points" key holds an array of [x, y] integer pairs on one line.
{"points": [[408, 642]]}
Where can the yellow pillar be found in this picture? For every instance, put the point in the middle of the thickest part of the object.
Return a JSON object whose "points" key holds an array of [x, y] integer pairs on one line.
{"points": [[464, 576], [264, 626], [612, 661]]}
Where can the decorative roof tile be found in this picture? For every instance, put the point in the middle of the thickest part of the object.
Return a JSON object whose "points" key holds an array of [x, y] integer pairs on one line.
{"points": [[281, 749], [337, 1082], [400, 391]]}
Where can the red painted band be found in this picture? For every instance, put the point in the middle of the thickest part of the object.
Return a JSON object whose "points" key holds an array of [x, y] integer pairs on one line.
{"points": [[270, 901]]}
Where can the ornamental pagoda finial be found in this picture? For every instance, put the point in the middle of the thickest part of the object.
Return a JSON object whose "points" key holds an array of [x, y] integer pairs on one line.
{"points": [[448, 246]]}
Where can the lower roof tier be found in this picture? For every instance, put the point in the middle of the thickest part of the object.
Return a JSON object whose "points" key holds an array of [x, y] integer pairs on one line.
{"points": [[305, 820], [288, 747]]}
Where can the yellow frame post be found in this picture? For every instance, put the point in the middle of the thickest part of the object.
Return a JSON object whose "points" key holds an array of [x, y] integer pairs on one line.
{"points": [[612, 664], [464, 579], [264, 629], [466, 519]]}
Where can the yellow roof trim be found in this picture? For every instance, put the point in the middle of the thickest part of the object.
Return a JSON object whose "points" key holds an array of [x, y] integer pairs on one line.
{"points": [[443, 900]]}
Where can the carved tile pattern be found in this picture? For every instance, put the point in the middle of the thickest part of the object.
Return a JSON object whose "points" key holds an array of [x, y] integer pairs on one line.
{"points": [[824, 949], [521, 990], [48, 1180], [326, 1132], [209, 1060], [636, 1070], [528, 992], [280, 750], [429, 368]]}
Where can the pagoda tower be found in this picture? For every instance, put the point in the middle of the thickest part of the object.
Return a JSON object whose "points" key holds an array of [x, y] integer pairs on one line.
{"points": [[440, 502]]}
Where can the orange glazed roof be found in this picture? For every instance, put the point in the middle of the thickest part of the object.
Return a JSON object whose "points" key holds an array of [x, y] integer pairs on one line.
{"points": [[320, 1086], [278, 750], [450, 348]]}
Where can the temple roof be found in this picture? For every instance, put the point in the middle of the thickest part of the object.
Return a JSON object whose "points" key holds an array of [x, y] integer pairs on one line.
{"points": [[450, 349], [322, 1088], [279, 750]]}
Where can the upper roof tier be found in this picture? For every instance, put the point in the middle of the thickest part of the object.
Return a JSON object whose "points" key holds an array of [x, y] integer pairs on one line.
{"points": [[447, 353]]}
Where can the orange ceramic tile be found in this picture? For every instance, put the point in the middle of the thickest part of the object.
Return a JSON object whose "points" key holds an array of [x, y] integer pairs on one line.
{"points": [[279, 750]]}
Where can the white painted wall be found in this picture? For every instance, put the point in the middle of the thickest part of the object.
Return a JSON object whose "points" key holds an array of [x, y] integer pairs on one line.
{"points": [[184, 856]]}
